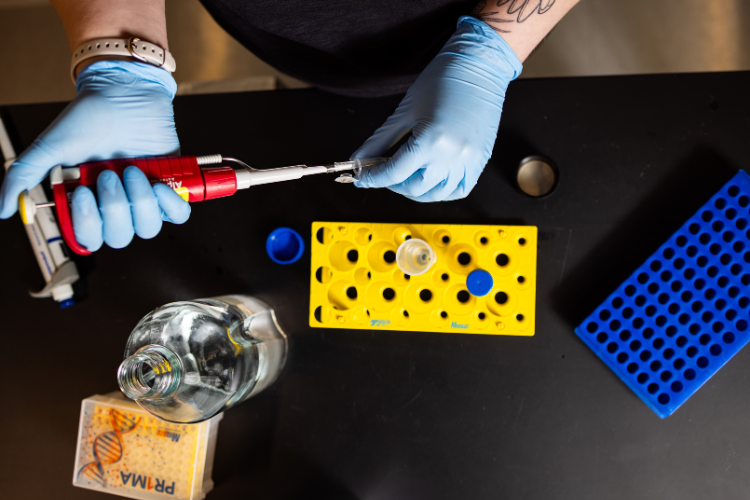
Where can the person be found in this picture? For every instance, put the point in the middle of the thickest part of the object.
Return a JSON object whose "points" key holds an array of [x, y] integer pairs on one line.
{"points": [[455, 57]]}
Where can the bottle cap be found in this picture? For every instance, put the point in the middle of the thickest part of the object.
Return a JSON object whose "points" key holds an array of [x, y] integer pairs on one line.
{"points": [[284, 245], [479, 282]]}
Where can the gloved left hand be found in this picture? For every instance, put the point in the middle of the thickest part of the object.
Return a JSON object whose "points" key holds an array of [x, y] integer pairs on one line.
{"points": [[453, 111]]}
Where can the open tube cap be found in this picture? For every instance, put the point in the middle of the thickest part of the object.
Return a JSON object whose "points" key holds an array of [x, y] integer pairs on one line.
{"points": [[284, 245]]}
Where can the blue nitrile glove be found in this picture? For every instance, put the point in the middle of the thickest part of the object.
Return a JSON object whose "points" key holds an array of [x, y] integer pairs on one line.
{"points": [[123, 109], [453, 111]]}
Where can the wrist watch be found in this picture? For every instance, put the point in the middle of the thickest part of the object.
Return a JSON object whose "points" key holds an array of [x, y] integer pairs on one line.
{"points": [[122, 47]]}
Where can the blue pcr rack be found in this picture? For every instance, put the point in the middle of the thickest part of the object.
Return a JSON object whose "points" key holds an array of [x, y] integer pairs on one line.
{"points": [[684, 313]]}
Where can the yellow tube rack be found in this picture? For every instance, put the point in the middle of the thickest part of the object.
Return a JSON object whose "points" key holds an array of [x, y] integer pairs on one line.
{"points": [[356, 284]]}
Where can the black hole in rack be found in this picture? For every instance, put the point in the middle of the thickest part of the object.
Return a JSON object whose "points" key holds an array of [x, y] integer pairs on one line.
{"points": [[731, 213], [700, 283], [655, 365], [648, 333], [481, 315], [694, 228], [406, 314], [689, 374], [637, 323], [687, 295], [425, 295], [463, 296], [352, 255], [522, 241], [407, 277], [743, 201], [679, 263], [731, 314], [681, 241], [728, 236], [663, 398], [678, 363], [704, 238], [653, 288], [627, 313], [602, 337], [502, 297], [676, 286], [483, 240], [632, 368], [444, 277], [741, 224], [666, 375], [681, 341], [728, 337], [691, 251], [671, 330], [702, 261], [702, 362], [642, 278], [389, 256], [652, 388], [645, 355], [464, 258], [388, 294], [630, 290], [640, 300], [502, 260], [725, 259], [717, 226], [684, 318], [689, 273], [351, 292], [707, 215], [692, 351], [611, 348], [655, 265], [624, 335], [443, 314], [715, 248], [519, 317], [720, 203], [668, 253], [617, 302], [642, 377], [663, 298], [704, 339], [733, 191], [446, 239], [318, 314]]}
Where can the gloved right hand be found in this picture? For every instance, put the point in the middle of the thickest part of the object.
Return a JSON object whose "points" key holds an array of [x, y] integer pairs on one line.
{"points": [[123, 109]]}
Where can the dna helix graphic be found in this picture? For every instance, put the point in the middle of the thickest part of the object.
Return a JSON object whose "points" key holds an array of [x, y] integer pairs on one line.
{"points": [[108, 447]]}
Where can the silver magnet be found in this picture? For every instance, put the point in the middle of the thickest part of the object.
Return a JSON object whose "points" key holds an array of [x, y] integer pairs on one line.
{"points": [[537, 176]]}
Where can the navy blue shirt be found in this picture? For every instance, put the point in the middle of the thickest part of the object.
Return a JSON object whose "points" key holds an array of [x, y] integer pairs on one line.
{"points": [[359, 48]]}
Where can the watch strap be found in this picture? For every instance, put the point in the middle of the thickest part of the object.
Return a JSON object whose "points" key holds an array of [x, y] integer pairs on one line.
{"points": [[122, 47]]}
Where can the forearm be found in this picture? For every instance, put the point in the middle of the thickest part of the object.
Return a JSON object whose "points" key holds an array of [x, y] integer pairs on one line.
{"points": [[522, 23], [90, 19]]}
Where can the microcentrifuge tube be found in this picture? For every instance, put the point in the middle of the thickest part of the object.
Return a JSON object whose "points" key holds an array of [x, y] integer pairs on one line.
{"points": [[415, 257]]}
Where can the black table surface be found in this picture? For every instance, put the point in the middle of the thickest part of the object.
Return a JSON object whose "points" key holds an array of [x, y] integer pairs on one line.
{"points": [[391, 415]]}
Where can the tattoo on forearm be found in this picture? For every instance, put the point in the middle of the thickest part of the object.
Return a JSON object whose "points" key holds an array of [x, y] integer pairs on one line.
{"points": [[524, 9]]}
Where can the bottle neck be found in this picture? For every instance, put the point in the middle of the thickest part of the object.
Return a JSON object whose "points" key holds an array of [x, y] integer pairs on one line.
{"points": [[153, 372]]}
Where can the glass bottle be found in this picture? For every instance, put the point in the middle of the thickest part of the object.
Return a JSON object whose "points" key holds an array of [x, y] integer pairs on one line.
{"points": [[187, 361]]}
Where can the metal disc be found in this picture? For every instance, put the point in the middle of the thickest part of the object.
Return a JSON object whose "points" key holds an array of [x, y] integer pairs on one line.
{"points": [[537, 176]]}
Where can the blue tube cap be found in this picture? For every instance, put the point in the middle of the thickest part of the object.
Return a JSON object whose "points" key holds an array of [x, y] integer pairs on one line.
{"points": [[284, 245], [64, 304], [479, 282]]}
